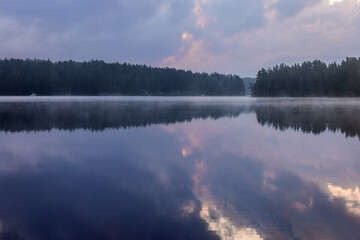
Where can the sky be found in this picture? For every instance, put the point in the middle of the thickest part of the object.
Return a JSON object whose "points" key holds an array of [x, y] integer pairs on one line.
{"points": [[226, 36]]}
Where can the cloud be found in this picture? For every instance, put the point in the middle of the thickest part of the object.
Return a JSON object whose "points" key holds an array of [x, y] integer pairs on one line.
{"points": [[186, 36], [230, 36], [289, 8], [280, 31], [111, 30], [234, 16], [17, 38], [200, 15]]}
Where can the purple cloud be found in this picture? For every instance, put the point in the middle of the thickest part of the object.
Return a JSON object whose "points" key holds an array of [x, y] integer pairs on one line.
{"points": [[228, 36]]}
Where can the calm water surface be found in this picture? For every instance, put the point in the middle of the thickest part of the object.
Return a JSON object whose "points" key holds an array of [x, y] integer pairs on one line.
{"points": [[179, 168]]}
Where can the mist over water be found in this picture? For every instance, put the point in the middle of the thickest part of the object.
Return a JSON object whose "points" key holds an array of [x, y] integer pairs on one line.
{"points": [[179, 168]]}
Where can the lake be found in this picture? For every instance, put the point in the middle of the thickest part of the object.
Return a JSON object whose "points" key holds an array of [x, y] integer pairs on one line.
{"points": [[179, 168]]}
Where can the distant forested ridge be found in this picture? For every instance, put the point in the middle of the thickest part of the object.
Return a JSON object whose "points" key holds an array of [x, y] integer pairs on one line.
{"points": [[310, 79], [247, 82], [25, 77]]}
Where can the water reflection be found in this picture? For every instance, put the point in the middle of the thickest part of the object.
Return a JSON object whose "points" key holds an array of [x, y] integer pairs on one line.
{"points": [[312, 116], [224, 227], [279, 205], [100, 194], [307, 115], [351, 196], [69, 115], [203, 169]]}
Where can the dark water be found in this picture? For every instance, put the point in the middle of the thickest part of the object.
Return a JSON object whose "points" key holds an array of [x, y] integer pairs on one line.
{"points": [[179, 168]]}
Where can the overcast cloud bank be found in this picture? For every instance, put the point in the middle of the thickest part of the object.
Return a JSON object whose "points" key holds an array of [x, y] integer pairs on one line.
{"points": [[229, 36]]}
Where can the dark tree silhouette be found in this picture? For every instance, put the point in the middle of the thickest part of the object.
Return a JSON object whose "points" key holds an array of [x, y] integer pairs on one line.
{"points": [[310, 79], [24, 77]]}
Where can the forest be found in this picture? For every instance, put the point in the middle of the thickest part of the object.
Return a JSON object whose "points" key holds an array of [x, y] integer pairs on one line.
{"points": [[44, 77], [310, 79]]}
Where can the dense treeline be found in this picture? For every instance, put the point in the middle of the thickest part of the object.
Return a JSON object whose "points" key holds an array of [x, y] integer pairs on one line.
{"points": [[24, 77], [310, 79]]}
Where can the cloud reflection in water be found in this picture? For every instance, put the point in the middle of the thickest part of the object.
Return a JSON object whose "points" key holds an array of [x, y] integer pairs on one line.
{"points": [[167, 181]]}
